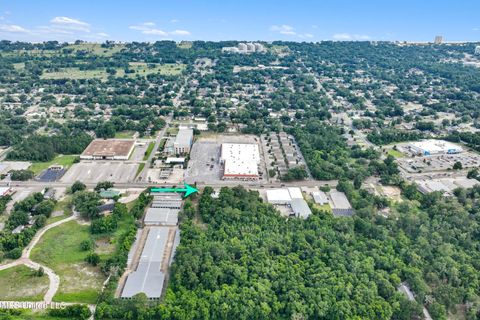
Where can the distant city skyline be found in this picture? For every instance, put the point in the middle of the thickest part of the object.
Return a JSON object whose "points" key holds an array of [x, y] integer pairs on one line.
{"points": [[264, 20]]}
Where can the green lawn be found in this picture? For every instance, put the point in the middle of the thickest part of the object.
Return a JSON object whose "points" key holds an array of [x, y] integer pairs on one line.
{"points": [[395, 153], [149, 150], [139, 68], [64, 160], [76, 73], [124, 134], [59, 249], [96, 48], [20, 284], [140, 168]]}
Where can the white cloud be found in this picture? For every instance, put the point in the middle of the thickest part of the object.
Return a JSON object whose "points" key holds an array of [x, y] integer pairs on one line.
{"points": [[284, 29], [70, 23], [103, 35], [174, 21], [12, 28], [148, 29], [475, 29], [350, 37], [180, 33], [288, 30]]}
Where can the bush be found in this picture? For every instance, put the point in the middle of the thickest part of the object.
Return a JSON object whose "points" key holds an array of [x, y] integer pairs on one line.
{"points": [[76, 311], [14, 253], [21, 175], [86, 245], [93, 259]]}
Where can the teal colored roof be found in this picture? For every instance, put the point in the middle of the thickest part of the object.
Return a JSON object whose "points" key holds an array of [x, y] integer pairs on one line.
{"points": [[109, 193]]}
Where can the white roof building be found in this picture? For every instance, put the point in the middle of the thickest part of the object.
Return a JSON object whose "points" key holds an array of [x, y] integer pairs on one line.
{"points": [[278, 196], [432, 147], [240, 160]]}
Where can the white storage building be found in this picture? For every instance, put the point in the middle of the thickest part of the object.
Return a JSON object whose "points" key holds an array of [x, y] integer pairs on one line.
{"points": [[240, 161], [433, 147]]}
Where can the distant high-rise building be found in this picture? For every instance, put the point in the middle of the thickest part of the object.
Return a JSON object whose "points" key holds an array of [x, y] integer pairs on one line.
{"points": [[438, 40], [242, 47], [477, 50], [250, 47]]}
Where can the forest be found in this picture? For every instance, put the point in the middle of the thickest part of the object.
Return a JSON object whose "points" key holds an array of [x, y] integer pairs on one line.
{"points": [[245, 261]]}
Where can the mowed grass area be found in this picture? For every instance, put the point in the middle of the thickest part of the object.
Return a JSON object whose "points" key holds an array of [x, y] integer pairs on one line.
{"points": [[75, 73], [395, 153], [96, 48], [64, 160], [150, 147], [59, 249], [139, 68], [20, 284], [124, 134]]}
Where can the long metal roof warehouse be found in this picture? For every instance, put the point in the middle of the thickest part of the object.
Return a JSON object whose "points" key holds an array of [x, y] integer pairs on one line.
{"points": [[148, 277]]}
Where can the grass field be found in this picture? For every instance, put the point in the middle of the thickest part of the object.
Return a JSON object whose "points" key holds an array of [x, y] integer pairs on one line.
{"points": [[185, 45], [19, 284], [140, 68], [96, 48], [124, 134], [140, 168], [19, 66], [150, 147], [64, 160], [395, 153], [59, 249]]}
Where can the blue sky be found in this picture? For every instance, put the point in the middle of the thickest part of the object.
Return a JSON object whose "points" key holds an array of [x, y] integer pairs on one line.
{"points": [[301, 20]]}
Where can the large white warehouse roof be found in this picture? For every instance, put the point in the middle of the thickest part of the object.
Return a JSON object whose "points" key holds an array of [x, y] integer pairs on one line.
{"points": [[432, 146]]}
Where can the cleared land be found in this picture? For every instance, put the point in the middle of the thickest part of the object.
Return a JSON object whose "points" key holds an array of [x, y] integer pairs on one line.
{"points": [[20, 284], [138, 68], [101, 171], [64, 160], [59, 249]]}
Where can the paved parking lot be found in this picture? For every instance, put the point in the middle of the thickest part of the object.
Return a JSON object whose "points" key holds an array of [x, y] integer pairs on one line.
{"points": [[439, 162], [96, 171], [204, 165]]}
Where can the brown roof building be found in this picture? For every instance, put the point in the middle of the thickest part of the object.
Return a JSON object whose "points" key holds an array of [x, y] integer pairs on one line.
{"points": [[111, 149]]}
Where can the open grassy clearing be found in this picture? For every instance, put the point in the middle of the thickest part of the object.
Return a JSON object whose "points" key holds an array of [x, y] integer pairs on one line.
{"points": [[76, 74], [395, 153], [139, 68], [64, 160], [96, 48], [185, 45], [59, 249], [19, 66], [124, 134], [20, 284]]}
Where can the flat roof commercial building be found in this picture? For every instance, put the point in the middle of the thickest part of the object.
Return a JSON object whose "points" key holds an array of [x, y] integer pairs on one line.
{"points": [[167, 200], [183, 141], [148, 277], [240, 161], [111, 149], [340, 205], [161, 217], [433, 147]]}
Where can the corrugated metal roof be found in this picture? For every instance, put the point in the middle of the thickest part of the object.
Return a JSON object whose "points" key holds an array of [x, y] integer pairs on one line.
{"points": [[148, 278], [300, 208], [161, 216]]}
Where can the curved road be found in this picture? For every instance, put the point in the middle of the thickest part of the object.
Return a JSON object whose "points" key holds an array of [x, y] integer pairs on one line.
{"points": [[25, 260]]}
